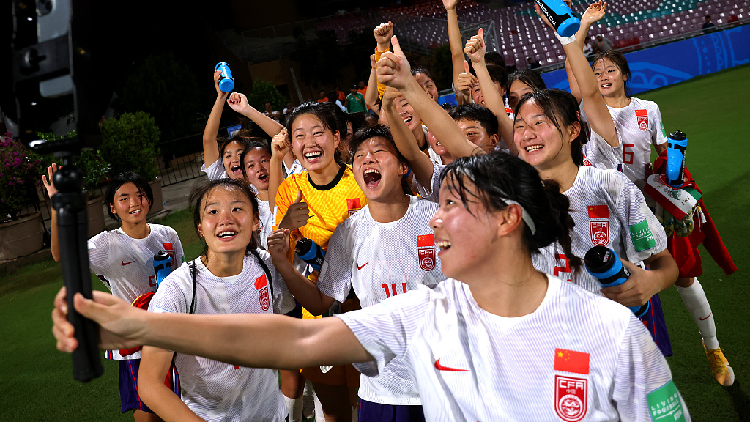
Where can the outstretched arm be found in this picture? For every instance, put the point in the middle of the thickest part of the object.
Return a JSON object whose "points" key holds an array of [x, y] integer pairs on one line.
{"points": [[371, 95], [475, 49], [394, 71], [593, 14], [51, 191], [457, 51], [596, 108], [227, 338], [211, 132], [405, 141], [238, 102]]}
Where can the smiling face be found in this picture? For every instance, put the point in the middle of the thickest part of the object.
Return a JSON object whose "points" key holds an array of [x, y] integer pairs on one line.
{"points": [[477, 134], [407, 113], [610, 78], [428, 85], [437, 147], [257, 166], [227, 220], [130, 204], [377, 169], [231, 160], [464, 233], [539, 142], [517, 90], [313, 144]]}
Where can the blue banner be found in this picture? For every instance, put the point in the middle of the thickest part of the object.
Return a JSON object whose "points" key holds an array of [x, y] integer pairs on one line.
{"points": [[678, 61]]}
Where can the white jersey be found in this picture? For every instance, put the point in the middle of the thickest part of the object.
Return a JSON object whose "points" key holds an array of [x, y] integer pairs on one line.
{"points": [[266, 220], [598, 153], [126, 265], [218, 391], [639, 126], [577, 357], [431, 192], [215, 170], [296, 168], [609, 210], [381, 260]]}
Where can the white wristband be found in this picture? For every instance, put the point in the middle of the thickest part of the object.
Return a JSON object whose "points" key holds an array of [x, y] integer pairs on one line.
{"points": [[565, 40]]}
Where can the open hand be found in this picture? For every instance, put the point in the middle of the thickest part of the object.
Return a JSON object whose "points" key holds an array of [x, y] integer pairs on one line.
{"points": [[47, 180], [594, 13]]}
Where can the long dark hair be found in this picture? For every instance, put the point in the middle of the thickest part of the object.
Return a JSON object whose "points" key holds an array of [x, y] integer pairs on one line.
{"points": [[562, 109], [121, 179], [500, 177], [201, 191]]}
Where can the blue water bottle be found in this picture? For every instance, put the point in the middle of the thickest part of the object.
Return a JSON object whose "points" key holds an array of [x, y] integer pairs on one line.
{"points": [[604, 264], [226, 83], [310, 252], [677, 146], [558, 13], [162, 266]]}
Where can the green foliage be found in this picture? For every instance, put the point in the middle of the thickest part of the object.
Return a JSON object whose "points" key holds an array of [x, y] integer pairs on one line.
{"points": [[95, 169], [264, 92], [163, 87], [19, 172], [129, 144]]}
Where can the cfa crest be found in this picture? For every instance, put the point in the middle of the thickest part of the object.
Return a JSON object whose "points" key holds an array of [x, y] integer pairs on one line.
{"points": [[571, 398], [599, 232], [261, 284], [642, 116], [426, 251]]}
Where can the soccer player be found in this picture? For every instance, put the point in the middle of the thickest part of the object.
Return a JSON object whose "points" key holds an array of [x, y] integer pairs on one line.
{"points": [[520, 82], [123, 261], [608, 209], [384, 250], [256, 163], [311, 205], [230, 276], [469, 342]]}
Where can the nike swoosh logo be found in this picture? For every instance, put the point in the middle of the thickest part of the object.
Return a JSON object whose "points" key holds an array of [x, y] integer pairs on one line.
{"points": [[703, 319], [359, 267], [126, 263], [440, 367]]}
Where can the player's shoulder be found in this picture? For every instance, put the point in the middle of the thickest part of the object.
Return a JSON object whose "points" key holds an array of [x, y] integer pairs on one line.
{"points": [[423, 206], [162, 230], [589, 306]]}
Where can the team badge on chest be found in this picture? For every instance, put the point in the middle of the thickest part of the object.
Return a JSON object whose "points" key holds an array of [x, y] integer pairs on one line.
{"points": [[642, 116], [571, 398], [353, 205], [261, 285], [599, 224], [426, 251]]}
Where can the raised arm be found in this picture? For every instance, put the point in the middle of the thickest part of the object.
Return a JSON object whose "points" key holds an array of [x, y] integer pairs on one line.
{"points": [[280, 147], [394, 71], [238, 102], [52, 190], [457, 51], [593, 14], [405, 141], [383, 34], [596, 108], [211, 132], [371, 95], [475, 49]]}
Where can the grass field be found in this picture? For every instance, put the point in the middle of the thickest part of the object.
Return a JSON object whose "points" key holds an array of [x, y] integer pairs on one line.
{"points": [[36, 382]]}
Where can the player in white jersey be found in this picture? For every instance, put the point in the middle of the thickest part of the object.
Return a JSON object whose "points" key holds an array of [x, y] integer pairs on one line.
{"points": [[605, 150], [383, 250], [496, 341], [256, 168], [231, 276], [549, 134], [123, 261]]}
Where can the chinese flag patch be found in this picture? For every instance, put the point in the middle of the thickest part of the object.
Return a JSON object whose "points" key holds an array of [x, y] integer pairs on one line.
{"points": [[261, 282], [353, 204], [425, 240], [571, 361], [598, 211]]}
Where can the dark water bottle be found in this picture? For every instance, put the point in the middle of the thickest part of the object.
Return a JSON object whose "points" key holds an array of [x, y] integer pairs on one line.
{"points": [[558, 13], [604, 264], [676, 148], [310, 252], [226, 83], [162, 266]]}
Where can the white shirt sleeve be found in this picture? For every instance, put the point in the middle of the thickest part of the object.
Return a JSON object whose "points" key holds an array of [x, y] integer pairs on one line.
{"points": [[99, 247], [386, 329], [659, 136], [644, 235], [335, 279], [430, 193], [643, 378], [215, 170]]}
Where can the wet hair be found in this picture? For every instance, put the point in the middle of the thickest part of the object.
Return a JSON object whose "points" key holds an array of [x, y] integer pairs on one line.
{"points": [[618, 60], [326, 113], [126, 177], [255, 143], [203, 189], [498, 74], [530, 77], [500, 177], [561, 108], [422, 70], [494, 58], [367, 133], [482, 114]]}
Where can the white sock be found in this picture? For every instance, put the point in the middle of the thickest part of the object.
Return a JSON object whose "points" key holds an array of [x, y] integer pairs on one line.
{"points": [[697, 304], [293, 408], [355, 414], [319, 415]]}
